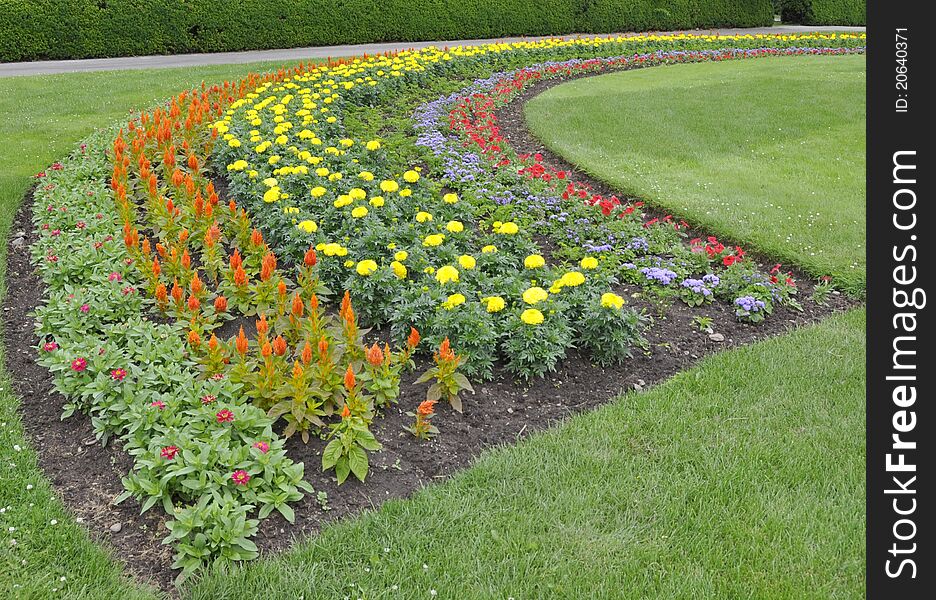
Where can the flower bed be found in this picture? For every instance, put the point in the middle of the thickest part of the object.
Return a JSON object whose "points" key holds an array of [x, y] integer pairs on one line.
{"points": [[186, 326]]}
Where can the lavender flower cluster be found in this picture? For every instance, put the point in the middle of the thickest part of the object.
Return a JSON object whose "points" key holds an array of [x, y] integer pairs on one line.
{"points": [[658, 274], [697, 286], [749, 304]]}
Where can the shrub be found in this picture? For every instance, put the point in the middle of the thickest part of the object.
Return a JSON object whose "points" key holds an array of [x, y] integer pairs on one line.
{"points": [[823, 12]]}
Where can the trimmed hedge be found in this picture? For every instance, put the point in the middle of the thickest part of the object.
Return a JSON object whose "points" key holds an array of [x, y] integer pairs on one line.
{"points": [[823, 12], [66, 29]]}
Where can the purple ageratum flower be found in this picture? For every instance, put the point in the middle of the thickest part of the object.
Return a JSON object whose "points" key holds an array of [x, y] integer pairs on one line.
{"points": [[749, 304], [711, 279], [697, 286], [660, 275], [639, 243]]}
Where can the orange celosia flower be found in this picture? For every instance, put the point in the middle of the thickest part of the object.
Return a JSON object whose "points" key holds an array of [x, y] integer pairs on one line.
{"points": [[267, 350], [345, 412], [256, 238], [183, 235], [145, 247], [267, 266], [323, 349], [193, 304], [161, 250], [262, 326], [310, 257], [297, 370], [177, 178], [279, 345], [445, 351], [161, 295], [236, 260], [426, 408], [240, 343], [213, 343], [413, 340], [194, 339], [349, 380], [298, 307], [240, 277], [281, 289], [193, 162], [196, 285], [375, 356], [345, 305], [186, 259], [156, 268], [314, 303], [198, 204], [232, 206], [306, 353], [176, 292], [220, 304]]}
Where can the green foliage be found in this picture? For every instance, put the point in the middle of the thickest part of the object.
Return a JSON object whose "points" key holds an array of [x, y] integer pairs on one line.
{"points": [[823, 12], [66, 29]]}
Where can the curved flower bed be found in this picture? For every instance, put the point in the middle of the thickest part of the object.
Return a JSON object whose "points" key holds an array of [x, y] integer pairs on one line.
{"points": [[185, 325]]}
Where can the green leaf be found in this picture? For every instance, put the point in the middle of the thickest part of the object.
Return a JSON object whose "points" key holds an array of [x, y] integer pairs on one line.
{"points": [[332, 454], [342, 468], [287, 512], [357, 460]]}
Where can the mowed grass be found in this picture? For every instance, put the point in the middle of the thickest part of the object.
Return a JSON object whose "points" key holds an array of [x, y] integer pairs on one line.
{"points": [[768, 152], [742, 477], [44, 117]]}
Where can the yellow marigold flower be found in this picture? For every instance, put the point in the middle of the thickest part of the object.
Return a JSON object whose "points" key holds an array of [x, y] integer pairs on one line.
{"points": [[238, 165], [556, 287], [349, 263], [357, 194], [359, 212], [489, 249], [406, 192], [291, 210], [453, 301], [411, 177], [388, 186], [282, 140], [534, 261], [270, 182], [342, 201], [589, 262], [366, 175], [307, 226], [399, 269], [333, 249], [450, 198], [508, 228], [531, 316], [446, 274], [252, 174], [433, 239], [346, 142], [493, 303], [401, 255], [423, 217], [609, 300], [572, 279], [467, 262], [377, 201], [234, 143], [334, 177], [321, 172], [271, 195], [318, 191], [371, 145], [535, 295], [366, 267], [455, 226]]}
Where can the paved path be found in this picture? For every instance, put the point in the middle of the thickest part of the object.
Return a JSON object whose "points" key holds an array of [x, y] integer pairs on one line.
{"points": [[46, 67]]}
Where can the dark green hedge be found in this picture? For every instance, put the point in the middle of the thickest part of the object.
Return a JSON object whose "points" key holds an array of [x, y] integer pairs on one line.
{"points": [[62, 29], [823, 12]]}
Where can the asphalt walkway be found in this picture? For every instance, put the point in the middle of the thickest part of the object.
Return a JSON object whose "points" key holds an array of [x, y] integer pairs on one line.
{"points": [[47, 67]]}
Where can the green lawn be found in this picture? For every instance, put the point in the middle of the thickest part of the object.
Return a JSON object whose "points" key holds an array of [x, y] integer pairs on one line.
{"points": [[743, 477], [769, 152]]}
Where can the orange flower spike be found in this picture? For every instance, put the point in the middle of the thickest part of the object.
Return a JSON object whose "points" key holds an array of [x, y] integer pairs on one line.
{"points": [[220, 304], [196, 286], [297, 370], [323, 349], [193, 304], [162, 296], [445, 350], [240, 342], [232, 206], [170, 206], [186, 259], [279, 345], [194, 339], [161, 250], [310, 257], [198, 204], [306, 353], [266, 351], [145, 247], [349, 380], [426, 408], [281, 289], [256, 238], [183, 236], [192, 162], [236, 260], [314, 303], [213, 343], [345, 305], [177, 178], [262, 326], [240, 277], [374, 355], [413, 340], [156, 269], [176, 292], [345, 412], [298, 307], [189, 185]]}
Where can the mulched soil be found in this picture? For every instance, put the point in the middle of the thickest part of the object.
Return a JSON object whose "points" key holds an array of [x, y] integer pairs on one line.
{"points": [[87, 477]]}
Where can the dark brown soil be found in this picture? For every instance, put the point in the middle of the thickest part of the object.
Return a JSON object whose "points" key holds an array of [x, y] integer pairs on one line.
{"points": [[87, 477]]}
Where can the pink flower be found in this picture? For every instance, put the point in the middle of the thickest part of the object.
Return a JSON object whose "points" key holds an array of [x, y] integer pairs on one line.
{"points": [[50, 346], [79, 364], [217, 377], [118, 374], [240, 477], [262, 447], [128, 290], [224, 416], [98, 245], [81, 224], [55, 232], [52, 258], [56, 166], [208, 398], [114, 276], [158, 404], [84, 308], [169, 452]]}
